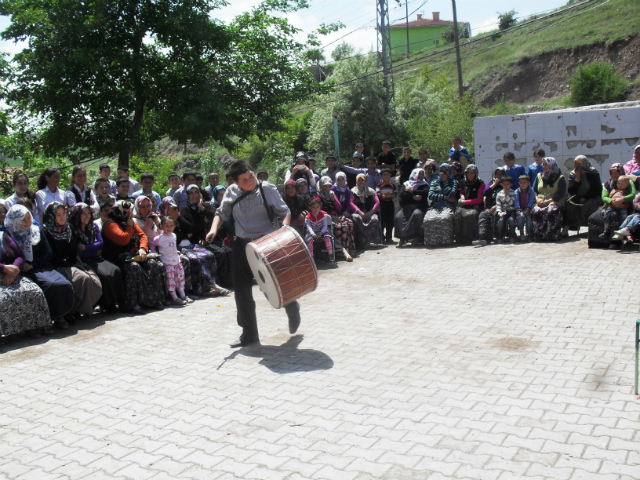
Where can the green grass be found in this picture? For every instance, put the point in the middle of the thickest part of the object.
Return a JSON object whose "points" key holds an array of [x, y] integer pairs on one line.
{"points": [[608, 22]]}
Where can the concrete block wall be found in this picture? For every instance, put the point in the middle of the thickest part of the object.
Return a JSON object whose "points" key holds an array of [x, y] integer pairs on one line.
{"points": [[606, 134]]}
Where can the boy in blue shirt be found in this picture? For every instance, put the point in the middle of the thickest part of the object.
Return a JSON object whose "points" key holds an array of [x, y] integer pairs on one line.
{"points": [[525, 199], [536, 167], [513, 170], [457, 152]]}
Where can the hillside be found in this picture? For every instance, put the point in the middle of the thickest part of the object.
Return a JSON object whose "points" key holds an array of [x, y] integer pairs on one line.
{"points": [[532, 62]]}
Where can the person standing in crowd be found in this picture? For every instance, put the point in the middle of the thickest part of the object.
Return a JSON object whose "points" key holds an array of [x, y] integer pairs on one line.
{"points": [[513, 170], [423, 155], [536, 167], [80, 192], [244, 202], [147, 180], [89, 241], [506, 210], [181, 197], [31, 239], [48, 191], [123, 172], [357, 161], [413, 202], [407, 164], [105, 173], [525, 200], [174, 182], [387, 193], [387, 159], [443, 198], [167, 245], [585, 195], [23, 306], [469, 206], [87, 288], [21, 190], [330, 161], [296, 205], [550, 188], [214, 180], [458, 152]]}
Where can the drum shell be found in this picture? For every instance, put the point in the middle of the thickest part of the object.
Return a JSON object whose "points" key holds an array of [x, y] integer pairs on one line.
{"points": [[284, 256]]}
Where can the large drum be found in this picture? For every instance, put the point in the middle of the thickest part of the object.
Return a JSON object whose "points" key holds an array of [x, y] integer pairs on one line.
{"points": [[281, 263]]}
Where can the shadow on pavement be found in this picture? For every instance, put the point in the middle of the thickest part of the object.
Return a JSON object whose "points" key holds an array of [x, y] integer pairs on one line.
{"points": [[286, 358]]}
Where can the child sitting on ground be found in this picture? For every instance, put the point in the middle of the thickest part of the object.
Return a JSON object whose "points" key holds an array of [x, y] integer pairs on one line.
{"points": [[316, 222], [387, 193], [616, 202], [506, 209], [525, 199], [166, 245]]}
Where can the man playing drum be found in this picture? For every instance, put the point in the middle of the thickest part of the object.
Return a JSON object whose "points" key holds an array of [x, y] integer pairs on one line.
{"points": [[244, 201]]}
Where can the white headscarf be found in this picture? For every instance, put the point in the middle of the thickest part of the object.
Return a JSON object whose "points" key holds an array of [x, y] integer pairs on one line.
{"points": [[25, 239], [413, 179]]}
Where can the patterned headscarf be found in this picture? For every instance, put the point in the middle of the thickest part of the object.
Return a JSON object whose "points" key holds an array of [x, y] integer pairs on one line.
{"points": [[136, 207], [49, 223], [167, 204], [620, 169], [447, 167], [326, 196], [120, 212], [84, 234], [414, 179], [289, 183], [458, 166], [549, 178], [25, 239]]}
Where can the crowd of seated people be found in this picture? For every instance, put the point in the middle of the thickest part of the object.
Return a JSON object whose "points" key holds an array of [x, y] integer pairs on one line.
{"points": [[122, 246]]}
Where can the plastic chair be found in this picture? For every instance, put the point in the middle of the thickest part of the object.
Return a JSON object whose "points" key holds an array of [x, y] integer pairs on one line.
{"points": [[322, 245]]}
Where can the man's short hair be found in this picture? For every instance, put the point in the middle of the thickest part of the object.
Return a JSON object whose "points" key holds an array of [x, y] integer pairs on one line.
{"points": [[100, 180], [330, 157], [538, 152], [147, 175], [406, 148], [524, 177], [509, 155], [173, 174], [237, 168], [104, 166], [386, 142], [385, 170], [506, 178], [188, 173], [199, 176], [121, 180]]}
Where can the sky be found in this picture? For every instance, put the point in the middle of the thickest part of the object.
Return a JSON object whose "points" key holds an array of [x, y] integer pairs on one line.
{"points": [[359, 17]]}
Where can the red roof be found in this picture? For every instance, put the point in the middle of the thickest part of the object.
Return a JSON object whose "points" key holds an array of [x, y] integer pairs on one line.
{"points": [[426, 23]]}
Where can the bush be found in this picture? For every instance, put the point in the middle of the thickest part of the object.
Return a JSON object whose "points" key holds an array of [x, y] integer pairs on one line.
{"points": [[597, 83], [507, 19], [448, 36]]}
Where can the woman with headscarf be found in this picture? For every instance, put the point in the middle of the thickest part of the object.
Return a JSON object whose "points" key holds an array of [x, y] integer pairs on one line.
{"points": [[201, 262], [218, 193], [365, 219], [123, 241], [297, 206], [87, 288], [31, 240], [457, 172], [300, 169], [550, 188], [89, 241], [196, 220], [585, 195], [302, 188], [23, 306], [596, 220], [443, 198], [413, 202], [342, 226], [470, 205], [633, 165], [488, 217], [431, 169]]}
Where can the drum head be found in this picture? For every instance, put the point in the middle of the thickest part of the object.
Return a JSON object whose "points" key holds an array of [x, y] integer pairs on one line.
{"points": [[264, 276]]}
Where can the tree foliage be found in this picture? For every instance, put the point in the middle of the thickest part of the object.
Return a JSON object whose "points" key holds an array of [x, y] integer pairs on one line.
{"points": [[107, 78], [507, 19], [359, 106], [598, 82], [342, 51]]}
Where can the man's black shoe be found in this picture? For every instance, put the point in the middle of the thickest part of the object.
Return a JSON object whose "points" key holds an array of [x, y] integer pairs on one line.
{"points": [[294, 320], [241, 342]]}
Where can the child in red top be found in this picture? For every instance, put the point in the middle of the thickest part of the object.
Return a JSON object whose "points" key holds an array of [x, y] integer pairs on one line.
{"points": [[316, 222]]}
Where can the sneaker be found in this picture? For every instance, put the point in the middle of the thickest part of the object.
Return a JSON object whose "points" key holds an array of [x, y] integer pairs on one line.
{"points": [[179, 301], [623, 232], [188, 300], [617, 236], [604, 235], [479, 243]]}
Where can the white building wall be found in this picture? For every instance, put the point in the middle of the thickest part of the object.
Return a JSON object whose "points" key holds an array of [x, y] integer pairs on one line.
{"points": [[606, 134]]}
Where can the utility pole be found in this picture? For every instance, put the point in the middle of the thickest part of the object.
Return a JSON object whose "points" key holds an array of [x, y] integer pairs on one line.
{"points": [[458, 61], [406, 6], [384, 47]]}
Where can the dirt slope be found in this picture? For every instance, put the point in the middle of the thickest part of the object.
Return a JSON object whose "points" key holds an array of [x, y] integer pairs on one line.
{"points": [[543, 77]]}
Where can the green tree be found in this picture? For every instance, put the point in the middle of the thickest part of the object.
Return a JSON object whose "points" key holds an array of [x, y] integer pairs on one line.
{"points": [[359, 105], [507, 19], [342, 51], [107, 78], [598, 82]]}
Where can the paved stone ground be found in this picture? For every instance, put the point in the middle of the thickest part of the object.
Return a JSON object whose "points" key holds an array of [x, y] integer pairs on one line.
{"points": [[504, 362]]}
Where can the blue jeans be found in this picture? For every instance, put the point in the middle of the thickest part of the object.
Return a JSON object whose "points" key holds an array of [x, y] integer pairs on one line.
{"points": [[510, 219], [631, 222], [609, 213], [523, 220]]}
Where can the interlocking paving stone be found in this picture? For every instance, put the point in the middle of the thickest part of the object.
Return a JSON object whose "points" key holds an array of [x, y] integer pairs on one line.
{"points": [[503, 362]]}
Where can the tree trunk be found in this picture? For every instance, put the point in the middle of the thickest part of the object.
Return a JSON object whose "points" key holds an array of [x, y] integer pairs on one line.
{"points": [[123, 158]]}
